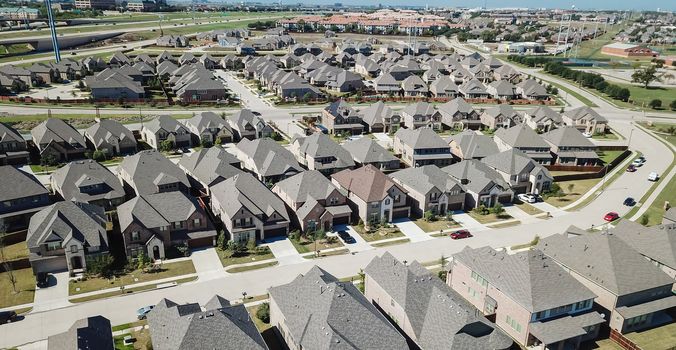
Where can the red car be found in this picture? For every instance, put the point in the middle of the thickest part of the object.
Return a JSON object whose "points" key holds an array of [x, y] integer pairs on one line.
{"points": [[631, 168], [612, 216], [460, 234]]}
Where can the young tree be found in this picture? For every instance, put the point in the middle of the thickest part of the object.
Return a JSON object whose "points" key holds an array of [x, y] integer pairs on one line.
{"points": [[644, 219], [142, 261], [263, 312], [672, 105], [645, 76], [498, 209], [570, 187], [166, 146], [362, 280], [655, 103], [11, 277], [428, 215]]}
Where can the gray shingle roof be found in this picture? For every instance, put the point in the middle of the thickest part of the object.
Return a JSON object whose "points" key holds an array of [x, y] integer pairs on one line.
{"points": [[156, 210], [187, 327], [365, 150], [439, 317], [246, 191], [420, 138], [322, 313], [606, 260], [320, 145], [74, 175], [207, 120], [476, 176], [106, 131], [269, 157], [458, 104], [474, 145], [376, 113], [60, 221], [584, 112], [512, 162], [529, 278], [7, 133], [210, 165], [542, 113], [56, 130], [656, 242], [567, 136], [92, 333], [521, 135], [146, 168], [166, 123], [18, 184], [308, 184], [419, 108], [425, 178]]}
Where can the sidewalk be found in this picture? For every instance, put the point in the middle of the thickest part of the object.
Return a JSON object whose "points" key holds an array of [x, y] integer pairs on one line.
{"points": [[132, 286]]}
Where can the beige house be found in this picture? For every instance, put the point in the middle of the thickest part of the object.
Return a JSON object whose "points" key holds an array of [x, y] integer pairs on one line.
{"points": [[430, 189], [586, 120], [422, 146], [523, 174]]}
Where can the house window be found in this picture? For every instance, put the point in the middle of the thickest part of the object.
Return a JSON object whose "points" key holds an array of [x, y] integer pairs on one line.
{"points": [[164, 228], [479, 279], [396, 198], [196, 222], [177, 224], [374, 205], [135, 236], [387, 201], [73, 249], [512, 323], [51, 246]]}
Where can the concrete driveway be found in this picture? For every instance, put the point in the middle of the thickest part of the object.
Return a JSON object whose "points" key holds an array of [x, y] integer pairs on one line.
{"points": [[55, 296], [519, 214], [285, 252], [467, 221], [412, 231], [383, 139], [546, 207], [359, 245], [207, 264]]}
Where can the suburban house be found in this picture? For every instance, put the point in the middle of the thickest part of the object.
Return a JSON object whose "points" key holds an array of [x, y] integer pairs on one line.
{"points": [[473, 89], [529, 296], [186, 327], [93, 332], [87, 181], [268, 159], [429, 312], [13, 148], [414, 86], [163, 128], [531, 90], [669, 216], [21, 195], [470, 145], [333, 315], [64, 235], [444, 87], [114, 85], [542, 118], [315, 203], [246, 124], [373, 197], [378, 117], [149, 172], [523, 174], [209, 166], [500, 116], [249, 210], [55, 138], [366, 150], [422, 146], [430, 189], [586, 120], [458, 114], [150, 224], [502, 90], [421, 114], [570, 147], [319, 152], [525, 139], [483, 185], [634, 293], [340, 118], [653, 242], [111, 137], [209, 128]]}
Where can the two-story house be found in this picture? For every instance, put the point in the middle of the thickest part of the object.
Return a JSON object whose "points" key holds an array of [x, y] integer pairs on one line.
{"points": [[267, 159], [633, 292], [483, 184], [652, 242], [373, 197], [340, 118], [21, 195], [319, 152], [55, 138], [149, 172], [586, 120], [366, 150], [458, 114], [378, 117], [87, 181], [542, 118], [111, 137], [63, 235], [315, 202], [430, 189], [570, 147], [209, 166], [422, 146], [421, 114], [430, 313], [525, 139], [163, 128], [12, 147], [151, 224], [470, 145], [529, 296], [247, 124], [209, 128], [500, 116], [249, 210], [523, 174]]}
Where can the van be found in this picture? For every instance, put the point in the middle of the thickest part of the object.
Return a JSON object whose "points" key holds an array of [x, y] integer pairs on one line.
{"points": [[653, 176]]}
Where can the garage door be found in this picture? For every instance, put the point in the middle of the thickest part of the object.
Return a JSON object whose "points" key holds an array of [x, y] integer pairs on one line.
{"points": [[341, 220], [400, 213], [505, 199], [201, 242], [275, 232], [454, 206], [50, 265]]}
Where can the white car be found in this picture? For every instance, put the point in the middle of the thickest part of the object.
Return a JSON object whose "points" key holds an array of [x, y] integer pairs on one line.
{"points": [[637, 163], [587, 135], [527, 198], [653, 176]]}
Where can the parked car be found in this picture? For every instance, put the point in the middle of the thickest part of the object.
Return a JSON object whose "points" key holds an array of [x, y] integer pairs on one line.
{"points": [[637, 163], [630, 202], [142, 313], [653, 176], [631, 168], [42, 279], [642, 159], [7, 317], [459, 234], [587, 134], [527, 198], [611, 216], [346, 237]]}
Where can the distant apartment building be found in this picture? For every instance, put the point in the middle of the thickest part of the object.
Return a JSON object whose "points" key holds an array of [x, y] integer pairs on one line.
{"points": [[95, 4]]}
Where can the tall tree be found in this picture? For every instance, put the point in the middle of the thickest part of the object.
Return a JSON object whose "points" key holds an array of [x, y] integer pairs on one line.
{"points": [[645, 76]]}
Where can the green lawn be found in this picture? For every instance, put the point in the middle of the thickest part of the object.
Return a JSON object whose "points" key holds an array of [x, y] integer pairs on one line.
{"points": [[37, 168], [379, 234], [246, 257], [15, 251], [304, 245], [490, 218], [663, 130], [252, 267], [324, 254], [656, 211], [641, 95], [260, 325], [436, 225], [143, 340], [390, 243], [608, 156], [607, 136], [572, 193], [529, 209], [175, 269], [660, 338], [126, 291], [563, 90], [25, 285]]}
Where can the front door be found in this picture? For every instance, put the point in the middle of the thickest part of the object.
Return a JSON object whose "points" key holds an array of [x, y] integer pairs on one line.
{"points": [[76, 263], [156, 253]]}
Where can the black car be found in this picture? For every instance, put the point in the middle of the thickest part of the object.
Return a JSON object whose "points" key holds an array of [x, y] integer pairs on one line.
{"points": [[630, 202], [346, 237], [42, 279], [7, 317]]}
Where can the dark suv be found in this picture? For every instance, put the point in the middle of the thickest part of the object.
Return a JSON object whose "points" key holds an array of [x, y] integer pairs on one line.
{"points": [[7, 317], [346, 237]]}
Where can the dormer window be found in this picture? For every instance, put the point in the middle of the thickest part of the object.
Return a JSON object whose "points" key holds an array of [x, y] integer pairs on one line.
{"points": [[51, 246], [73, 248]]}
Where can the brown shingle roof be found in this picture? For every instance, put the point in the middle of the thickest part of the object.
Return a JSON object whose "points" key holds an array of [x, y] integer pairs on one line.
{"points": [[367, 182]]}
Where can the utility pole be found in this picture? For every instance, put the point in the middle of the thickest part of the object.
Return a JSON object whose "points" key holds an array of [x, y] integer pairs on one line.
{"points": [[52, 29]]}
